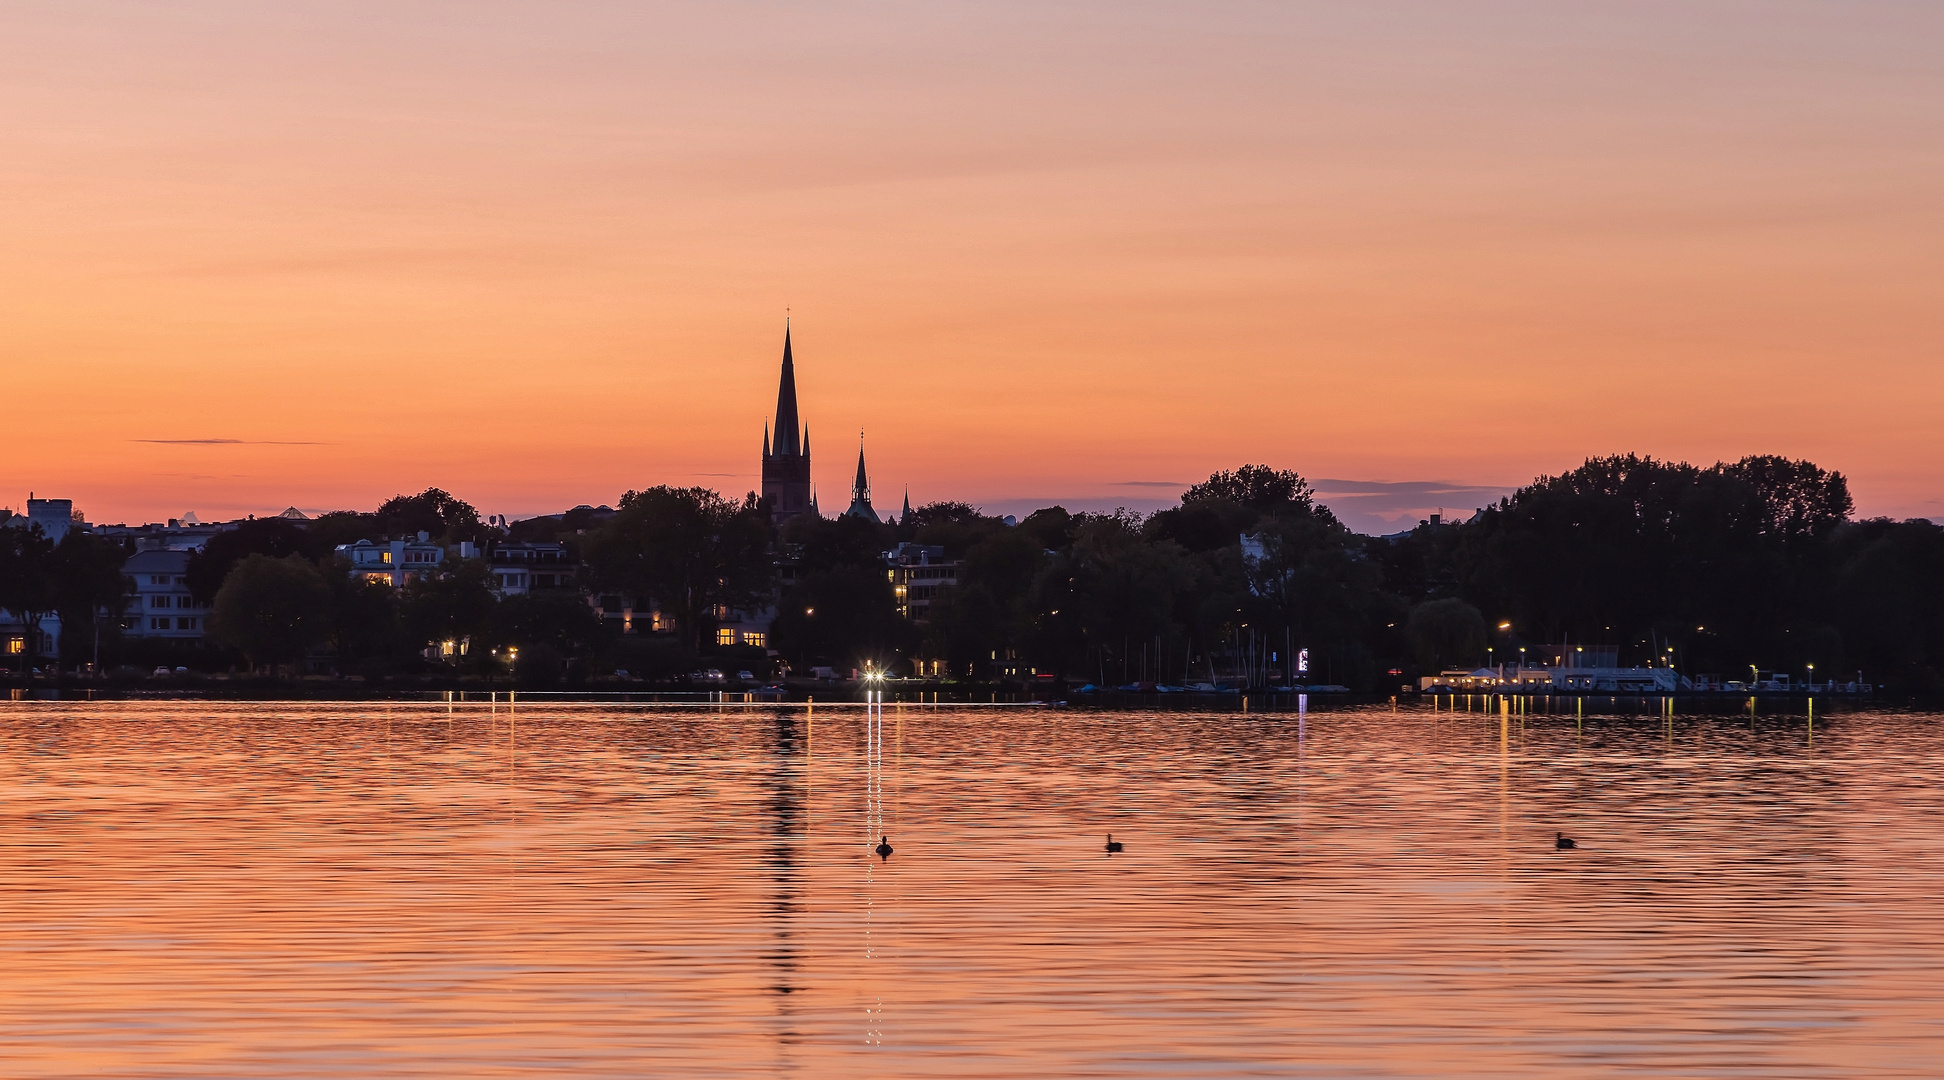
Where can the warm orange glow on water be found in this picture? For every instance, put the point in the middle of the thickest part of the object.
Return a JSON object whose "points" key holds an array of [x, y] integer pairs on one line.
{"points": [[395, 890], [541, 255]]}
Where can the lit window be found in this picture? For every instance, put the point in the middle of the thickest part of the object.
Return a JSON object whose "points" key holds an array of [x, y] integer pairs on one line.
{"points": [[16, 645], [378, 579], [725, 637], [384, 556], [754, 639]]}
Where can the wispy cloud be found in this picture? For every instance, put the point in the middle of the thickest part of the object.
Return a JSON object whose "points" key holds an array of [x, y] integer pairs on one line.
{"points": [[226, 442], [1383, 506], [1407, 489]]}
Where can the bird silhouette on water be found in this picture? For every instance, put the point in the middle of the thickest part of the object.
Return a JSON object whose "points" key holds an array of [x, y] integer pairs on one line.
{"points": [[1562, 842], [884, 847], [1113, 845]]}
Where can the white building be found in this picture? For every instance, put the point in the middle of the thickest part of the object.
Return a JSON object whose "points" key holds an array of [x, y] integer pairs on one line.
{"points": [[14, 642], [521, 567], [392, 562], [161, 606], [54, 516]]}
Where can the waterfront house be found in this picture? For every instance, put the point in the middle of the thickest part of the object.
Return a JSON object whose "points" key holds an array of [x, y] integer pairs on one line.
{"points": [[15, 640], [392, 562], [521, 567], [161, 607], [917, 572]]}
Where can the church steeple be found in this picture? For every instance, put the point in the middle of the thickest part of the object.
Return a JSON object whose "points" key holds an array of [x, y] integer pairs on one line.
{"points": [[861, 490], [786, 403], [786, 458]]}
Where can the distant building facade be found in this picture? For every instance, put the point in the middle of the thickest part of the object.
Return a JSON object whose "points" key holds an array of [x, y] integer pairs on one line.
{"points": [[392, 562], [161, 607], [54, 516], [15, 637], [520, 568], [917, 572]]}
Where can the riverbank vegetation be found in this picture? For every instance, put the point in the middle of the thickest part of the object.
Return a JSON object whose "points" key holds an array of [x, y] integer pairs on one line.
{"points": [[1757, 563]]}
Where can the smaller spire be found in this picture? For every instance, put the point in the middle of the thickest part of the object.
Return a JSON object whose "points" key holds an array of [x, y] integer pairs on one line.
{"points": [[861, 490], [860, 506], [766, 452], [907, 506]]}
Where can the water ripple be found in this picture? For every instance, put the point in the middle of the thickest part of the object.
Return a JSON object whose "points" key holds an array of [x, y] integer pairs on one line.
{"points": [[278, 890]]}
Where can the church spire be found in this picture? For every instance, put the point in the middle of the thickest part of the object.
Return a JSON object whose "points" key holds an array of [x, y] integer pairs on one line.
{"points": [[786, 460], [861, 490], [906, 516], [786, 403]]}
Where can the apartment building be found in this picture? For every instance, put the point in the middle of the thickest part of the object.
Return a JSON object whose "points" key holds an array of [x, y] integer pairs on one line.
{"points": [[392, 562], [161, 605]]}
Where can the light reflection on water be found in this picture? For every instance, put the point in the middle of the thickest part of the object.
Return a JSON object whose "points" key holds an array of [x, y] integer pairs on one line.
{"points": [[195, 889]]}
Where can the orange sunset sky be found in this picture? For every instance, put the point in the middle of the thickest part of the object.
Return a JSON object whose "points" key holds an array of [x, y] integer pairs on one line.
{"points": [[257, 255]]}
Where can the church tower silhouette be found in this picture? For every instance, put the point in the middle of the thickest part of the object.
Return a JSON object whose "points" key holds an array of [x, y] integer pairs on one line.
{"points": [[860, 506], [786, 458]]}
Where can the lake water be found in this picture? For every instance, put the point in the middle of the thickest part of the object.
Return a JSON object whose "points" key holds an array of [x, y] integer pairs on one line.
{"points": [[378, 890]]}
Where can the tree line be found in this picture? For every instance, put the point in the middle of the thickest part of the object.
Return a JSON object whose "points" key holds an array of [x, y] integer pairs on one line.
{"points": [[1717, 569]]}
